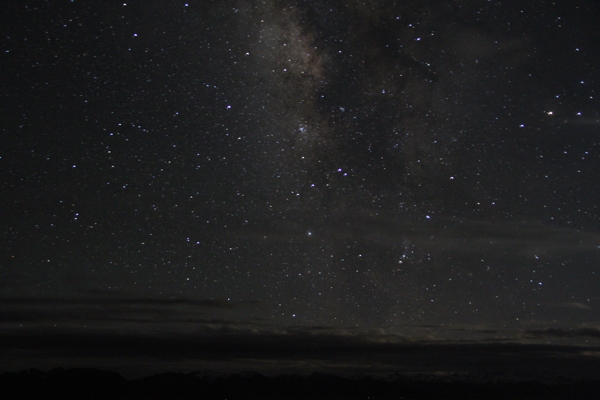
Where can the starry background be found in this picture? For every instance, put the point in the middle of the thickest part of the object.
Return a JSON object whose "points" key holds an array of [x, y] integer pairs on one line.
{"points": [[367, 169]]}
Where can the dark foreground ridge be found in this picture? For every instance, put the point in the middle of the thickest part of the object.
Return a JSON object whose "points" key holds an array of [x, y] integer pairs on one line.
{"points": [[86, 383]]}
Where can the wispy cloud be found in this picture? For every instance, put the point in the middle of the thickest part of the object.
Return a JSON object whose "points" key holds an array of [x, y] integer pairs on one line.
{"points": [[388, 229], [575, 305], [208, 303]]}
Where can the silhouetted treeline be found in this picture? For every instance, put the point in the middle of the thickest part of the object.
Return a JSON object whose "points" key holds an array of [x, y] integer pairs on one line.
{"points": [[93, 384]]}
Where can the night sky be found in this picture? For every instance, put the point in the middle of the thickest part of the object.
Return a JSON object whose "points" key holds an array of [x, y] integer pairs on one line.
{"points": [[306, 173]]}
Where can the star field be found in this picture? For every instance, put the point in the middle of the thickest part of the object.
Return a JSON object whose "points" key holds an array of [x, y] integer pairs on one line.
{"points": [[360, 164]]}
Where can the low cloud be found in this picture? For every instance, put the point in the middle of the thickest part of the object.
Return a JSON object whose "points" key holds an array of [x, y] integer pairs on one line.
{"points": [[205, 333], [119, 311], [294, 350], [585, 332]]}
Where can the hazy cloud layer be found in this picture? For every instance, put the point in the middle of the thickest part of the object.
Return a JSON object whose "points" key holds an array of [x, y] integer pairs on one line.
{"points": [[295, 351]]}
